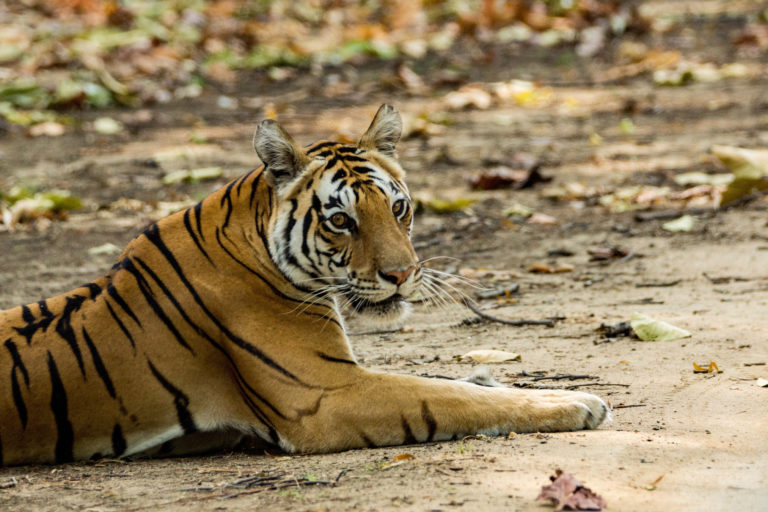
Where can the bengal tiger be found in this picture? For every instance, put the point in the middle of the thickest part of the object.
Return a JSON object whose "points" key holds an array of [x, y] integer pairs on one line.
{"points": [[222, 321]]}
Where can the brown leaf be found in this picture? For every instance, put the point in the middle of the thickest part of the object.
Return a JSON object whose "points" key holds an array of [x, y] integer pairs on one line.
{"points": [[566, 493], [505, 177], [607, 253]]}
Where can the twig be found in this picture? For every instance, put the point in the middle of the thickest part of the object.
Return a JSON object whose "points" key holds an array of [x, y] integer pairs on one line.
{"points": [[561, 376], [375, 331], [549, 322], [658, 284], [671, 214], [574, 386], [628, 406], [341, 474]]}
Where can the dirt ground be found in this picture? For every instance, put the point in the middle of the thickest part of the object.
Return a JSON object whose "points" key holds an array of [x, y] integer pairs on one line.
{"points": [[678, 440]]}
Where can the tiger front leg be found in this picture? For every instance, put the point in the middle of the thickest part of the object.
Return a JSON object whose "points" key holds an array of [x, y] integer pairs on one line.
{"points": [[381, 410]]}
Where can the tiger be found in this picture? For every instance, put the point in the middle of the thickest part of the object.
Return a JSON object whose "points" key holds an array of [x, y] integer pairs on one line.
{"points": [[223, 322]]}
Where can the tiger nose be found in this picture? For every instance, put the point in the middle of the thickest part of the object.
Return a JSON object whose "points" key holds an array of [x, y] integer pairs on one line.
{"points": [[399, 276]]}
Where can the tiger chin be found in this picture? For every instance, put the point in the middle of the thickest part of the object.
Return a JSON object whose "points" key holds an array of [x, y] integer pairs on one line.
{"points": [[223, 321]]}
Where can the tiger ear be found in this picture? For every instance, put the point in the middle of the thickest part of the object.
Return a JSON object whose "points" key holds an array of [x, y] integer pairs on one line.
{"points": [[384, 132], [283, 158]]}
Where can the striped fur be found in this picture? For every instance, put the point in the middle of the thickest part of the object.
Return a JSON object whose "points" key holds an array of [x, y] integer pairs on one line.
{"points": [[223, 320]]}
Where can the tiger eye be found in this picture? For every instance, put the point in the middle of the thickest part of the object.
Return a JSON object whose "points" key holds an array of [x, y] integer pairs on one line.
{"points": [[339, 219], [398, 207]]}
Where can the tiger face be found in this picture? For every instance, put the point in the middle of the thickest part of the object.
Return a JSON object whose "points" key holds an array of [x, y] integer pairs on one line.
{"points": [[343, 218]]}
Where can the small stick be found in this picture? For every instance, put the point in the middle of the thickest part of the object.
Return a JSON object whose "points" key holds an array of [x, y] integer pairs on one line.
{"points": [[375, 331], [561, 376], [628, 406], [658, 284], [574, 386], [549, 322]]}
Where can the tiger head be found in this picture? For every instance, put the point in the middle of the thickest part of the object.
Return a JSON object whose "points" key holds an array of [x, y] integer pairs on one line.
{"points": [[342, 218]]}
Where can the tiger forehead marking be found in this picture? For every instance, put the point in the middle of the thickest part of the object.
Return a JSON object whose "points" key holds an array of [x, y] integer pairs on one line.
{"points": [[348, 176]]}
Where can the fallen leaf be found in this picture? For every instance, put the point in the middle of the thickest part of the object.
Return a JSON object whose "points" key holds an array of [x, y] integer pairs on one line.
{"points": [[542, 219], [710, 368], [468, 96], [607, 253], [763, 383], [447, 206], [49, 129], [648, 329], [192, 176], [107, 248], [517, 210], [684, 224], [566, 493], [505, 177], [545, 268], [491, 356], [749, 168], [702, 178], [403, 456], [652, 486], [107, 126]]}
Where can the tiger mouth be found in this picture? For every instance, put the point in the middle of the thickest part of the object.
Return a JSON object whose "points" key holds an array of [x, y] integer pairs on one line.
{"points": [[360, 304]]}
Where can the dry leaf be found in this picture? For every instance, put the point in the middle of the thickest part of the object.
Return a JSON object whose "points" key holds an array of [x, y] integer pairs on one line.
{"points": [[545, 268], [652, 485], [566, 493], [403, 456], [648, 329], [749, 167], [491, 356], [542, 219], [710, 368], [468, 96], [684, 224], [763, 383]]}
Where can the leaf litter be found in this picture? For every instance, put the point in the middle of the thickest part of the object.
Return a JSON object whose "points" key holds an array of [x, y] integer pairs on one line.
{"points": [[567, 493], [649, 329]]}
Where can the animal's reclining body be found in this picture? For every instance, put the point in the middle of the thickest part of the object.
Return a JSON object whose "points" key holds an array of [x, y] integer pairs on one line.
{"points": [[224, 317]]}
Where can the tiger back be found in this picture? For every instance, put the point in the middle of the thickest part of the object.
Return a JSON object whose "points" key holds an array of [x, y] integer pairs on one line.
{"points": [[224, 319]]}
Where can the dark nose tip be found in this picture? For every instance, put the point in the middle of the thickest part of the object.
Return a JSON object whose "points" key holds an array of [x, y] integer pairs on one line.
{"points": [[397, 277]]}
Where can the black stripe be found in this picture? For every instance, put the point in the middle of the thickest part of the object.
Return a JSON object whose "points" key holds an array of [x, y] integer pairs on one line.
{"points": [[426, 415], [180, 400], [18, 366], [227, 197], [94, 289], [335, 359], [65, 330], [354, 158], [192, 234], [29, 330], [146, 291], [26, 314], [409, 439], [112, 291], [255, 186], [198, 219], [118, 441], [200, 331], [153, 235], [321, 145], [99, 364], [120, 324], [65, 435]]}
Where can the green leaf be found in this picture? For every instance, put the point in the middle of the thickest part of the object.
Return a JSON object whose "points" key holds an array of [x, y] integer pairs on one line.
{"points": [[648, 329]]}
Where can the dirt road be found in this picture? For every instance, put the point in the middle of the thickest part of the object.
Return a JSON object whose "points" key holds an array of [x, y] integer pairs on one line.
{"points": [[679, 440]]}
